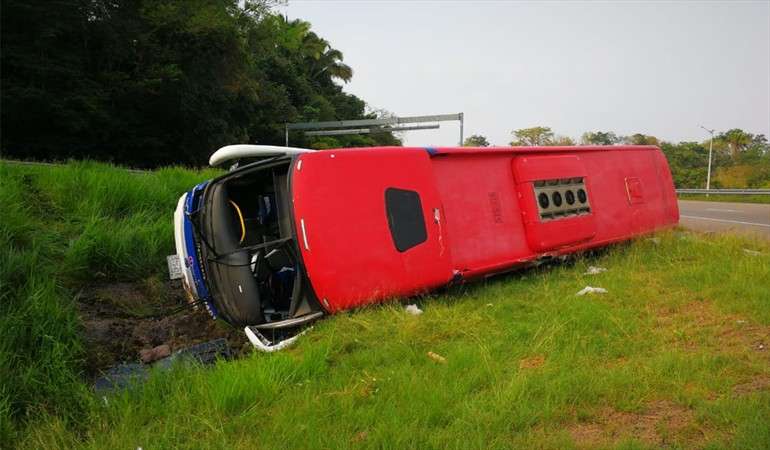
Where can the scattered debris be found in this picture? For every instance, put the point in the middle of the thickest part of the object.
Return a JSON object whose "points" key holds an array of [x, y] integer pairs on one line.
{"points": [[436, 357], [263, 344], [592, 290], [149, 355], [752, 252], [489, 304], [122, 319], [203, 353], [413, 310], [123, 375], [593, 270], [654, 240]]}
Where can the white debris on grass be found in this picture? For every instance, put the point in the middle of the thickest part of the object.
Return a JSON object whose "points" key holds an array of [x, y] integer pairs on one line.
{"points": [[751, 252], [654, 240], [268, 347], [592, 290], [593, 270], [413, 310]]}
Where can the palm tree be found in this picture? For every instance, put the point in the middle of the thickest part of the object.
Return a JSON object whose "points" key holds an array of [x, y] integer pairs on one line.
{"points": [[319, 57], [325, 60], [736, 140], [331, 63]]}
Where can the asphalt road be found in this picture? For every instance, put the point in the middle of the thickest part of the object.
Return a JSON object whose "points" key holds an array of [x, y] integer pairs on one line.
{"points": [[750, 218]]}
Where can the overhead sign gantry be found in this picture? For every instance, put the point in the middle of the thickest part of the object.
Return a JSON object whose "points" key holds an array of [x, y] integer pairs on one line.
{"points": [[368, 126]]}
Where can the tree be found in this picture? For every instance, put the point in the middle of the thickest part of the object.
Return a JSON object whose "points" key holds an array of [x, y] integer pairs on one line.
{"points": [[564, 141], [688, 162], [640, 139], [599, 138], [156, 83], [532, 136], [736, 140], [476, 140]]}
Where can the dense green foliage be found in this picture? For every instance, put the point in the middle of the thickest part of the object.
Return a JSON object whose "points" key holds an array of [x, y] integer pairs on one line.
{"points": [[748, 167], [149, 83], [527, 361], [476, 140], [532, 136], [740, 159]]}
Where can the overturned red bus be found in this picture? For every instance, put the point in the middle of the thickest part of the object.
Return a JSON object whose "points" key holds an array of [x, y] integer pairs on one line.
{"points": [[281, 241]]}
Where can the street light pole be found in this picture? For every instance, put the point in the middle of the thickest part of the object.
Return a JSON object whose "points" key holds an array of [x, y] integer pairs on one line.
{"points": [[711, 147]]}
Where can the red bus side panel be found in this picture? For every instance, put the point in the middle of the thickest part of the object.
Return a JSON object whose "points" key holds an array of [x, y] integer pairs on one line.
{"points": [[480, 209]]}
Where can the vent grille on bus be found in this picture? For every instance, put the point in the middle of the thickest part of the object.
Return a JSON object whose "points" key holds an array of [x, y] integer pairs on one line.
{"points": [[561, 198]]}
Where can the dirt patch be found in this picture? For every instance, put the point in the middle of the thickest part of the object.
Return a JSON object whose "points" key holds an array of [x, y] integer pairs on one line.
{"points": [[532, 362], [758, 383], [121, 319], [700, 324], [660, 424], [359, 437]]}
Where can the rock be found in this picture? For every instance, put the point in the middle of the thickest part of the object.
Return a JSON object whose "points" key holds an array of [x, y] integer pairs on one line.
{"points": [[153, 354]]}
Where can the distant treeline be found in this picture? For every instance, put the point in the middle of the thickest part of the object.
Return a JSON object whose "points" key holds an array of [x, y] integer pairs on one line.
{"points": [[148, 83], [740, 159]]}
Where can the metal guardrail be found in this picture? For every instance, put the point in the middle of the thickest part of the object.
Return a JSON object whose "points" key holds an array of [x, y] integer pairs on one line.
{"points": [[725, 191]]}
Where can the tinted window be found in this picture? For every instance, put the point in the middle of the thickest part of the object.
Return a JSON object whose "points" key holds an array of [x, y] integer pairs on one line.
{"points": [[405, 219]]}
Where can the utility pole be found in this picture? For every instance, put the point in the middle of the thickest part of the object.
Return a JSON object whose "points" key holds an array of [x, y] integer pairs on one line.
{"points": [[711, 147]]}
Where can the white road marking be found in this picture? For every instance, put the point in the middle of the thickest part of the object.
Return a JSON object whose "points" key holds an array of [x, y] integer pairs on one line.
{"points": [[723, 210], [727, 221]]}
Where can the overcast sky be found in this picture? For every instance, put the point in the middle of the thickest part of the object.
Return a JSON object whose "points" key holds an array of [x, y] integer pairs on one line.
{"points": [[659, 68]]}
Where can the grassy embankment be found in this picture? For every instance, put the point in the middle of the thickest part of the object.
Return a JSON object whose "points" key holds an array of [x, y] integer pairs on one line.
{"points": [[675, 354], [726, 198]]}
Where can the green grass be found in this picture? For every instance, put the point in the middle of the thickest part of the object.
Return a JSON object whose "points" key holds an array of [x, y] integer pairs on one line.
{"points": [[669, 357], [726, 198], [61, 227]]}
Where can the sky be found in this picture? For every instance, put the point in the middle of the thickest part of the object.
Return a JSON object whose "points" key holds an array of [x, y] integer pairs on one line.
{"points": [[659, 68]]}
